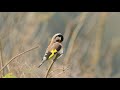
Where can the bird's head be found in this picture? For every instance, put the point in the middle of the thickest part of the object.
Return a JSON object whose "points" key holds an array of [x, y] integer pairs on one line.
{"points": [[58, 38]]}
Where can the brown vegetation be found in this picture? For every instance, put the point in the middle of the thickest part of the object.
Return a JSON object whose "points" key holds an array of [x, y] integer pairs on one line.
{"points": [[24, 37]]}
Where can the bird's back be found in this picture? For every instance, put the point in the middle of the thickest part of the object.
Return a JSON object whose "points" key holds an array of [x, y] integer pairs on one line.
{"points": [[54, 49]]}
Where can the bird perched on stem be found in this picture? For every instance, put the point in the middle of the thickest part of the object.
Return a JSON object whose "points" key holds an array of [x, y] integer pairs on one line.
{"points": [[54, 49]]}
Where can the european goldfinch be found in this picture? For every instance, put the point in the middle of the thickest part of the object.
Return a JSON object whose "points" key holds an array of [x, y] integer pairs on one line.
{"points": [[54, 49]]}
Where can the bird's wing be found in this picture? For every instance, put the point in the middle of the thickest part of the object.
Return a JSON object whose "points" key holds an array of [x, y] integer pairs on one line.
{"points": [[52, 50]]}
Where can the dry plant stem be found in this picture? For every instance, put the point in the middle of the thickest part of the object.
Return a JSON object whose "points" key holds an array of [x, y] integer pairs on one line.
{"points": [[49, 68], [56, 70], [75, 33], [59, 74], [98, 40], [18, 55], [1, 57], [63, 70]]}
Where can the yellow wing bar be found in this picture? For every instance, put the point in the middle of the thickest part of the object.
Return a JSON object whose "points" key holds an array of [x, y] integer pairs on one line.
{"points": [[53, 52]]}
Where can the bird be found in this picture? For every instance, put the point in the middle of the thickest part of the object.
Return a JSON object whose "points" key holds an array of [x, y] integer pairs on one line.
{"points": [[54, 49]]}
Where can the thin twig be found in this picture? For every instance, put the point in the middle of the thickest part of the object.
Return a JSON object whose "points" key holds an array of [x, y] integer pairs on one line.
{"points": [[1, 57], [63, 69], [18, 56], [48, 71], [61, 72], [56, 70]]}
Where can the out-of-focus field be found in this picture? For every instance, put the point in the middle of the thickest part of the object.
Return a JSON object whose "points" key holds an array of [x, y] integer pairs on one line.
{"points": [[91, 44]]}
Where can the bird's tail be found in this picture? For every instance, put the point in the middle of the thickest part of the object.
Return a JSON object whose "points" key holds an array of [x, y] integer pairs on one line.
{"points": [[41, 63]]}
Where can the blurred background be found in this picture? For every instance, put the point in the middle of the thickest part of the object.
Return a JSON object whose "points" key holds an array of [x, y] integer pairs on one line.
{"points": [[91, 44]]}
